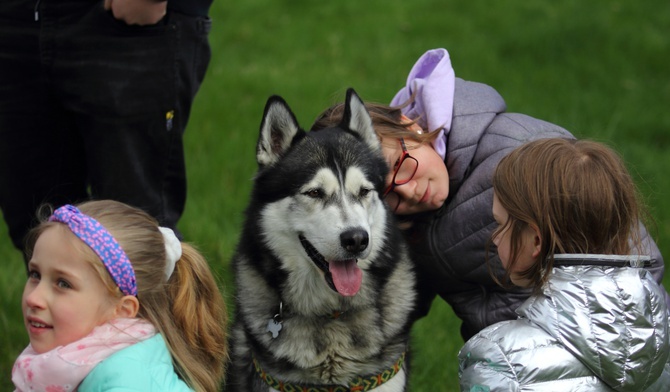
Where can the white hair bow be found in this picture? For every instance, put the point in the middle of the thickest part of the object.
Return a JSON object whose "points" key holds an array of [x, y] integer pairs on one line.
{"points": [[172, 250]]}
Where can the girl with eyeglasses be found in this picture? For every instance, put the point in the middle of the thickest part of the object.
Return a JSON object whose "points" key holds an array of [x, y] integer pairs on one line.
{"points": [[443, 137]]}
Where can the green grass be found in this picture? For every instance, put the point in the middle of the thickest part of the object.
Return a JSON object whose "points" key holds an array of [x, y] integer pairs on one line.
{"points": [[598, 68]]}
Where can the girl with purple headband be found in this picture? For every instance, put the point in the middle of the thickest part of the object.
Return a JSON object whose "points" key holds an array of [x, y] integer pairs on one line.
{"points": [[115, 302]]}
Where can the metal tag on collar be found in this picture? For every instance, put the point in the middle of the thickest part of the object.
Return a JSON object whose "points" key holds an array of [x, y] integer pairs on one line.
{"points": [[275, 323]]}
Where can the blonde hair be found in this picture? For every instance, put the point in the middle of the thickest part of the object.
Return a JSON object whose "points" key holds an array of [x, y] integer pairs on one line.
{"points": [[577, 193], [188, 310]]}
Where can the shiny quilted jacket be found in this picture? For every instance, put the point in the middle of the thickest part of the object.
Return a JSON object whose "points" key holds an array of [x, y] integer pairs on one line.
{"points": [[595, 327]]}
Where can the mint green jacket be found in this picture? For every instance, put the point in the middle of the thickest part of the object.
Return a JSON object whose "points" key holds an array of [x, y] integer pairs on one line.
{"points": [[142, 367]]}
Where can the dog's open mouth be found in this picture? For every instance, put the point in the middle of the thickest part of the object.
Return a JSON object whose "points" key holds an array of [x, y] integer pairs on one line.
{"points": [[343, 276]]}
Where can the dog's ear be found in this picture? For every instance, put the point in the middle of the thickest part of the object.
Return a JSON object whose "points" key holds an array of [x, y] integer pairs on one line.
{"points": [[278, 128], [357, 119]]}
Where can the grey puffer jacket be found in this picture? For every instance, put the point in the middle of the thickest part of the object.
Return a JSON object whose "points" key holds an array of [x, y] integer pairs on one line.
{"points": [[449, 246], [593, 328]]}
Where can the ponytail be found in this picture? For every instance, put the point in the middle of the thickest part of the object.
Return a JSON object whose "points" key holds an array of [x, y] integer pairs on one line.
{"points": [[188, 310], [197, 334]]}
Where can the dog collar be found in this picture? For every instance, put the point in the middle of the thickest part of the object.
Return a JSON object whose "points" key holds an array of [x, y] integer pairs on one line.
{"points": [[358, 384]]}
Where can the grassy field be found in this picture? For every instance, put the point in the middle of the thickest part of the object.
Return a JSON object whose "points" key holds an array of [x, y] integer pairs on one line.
{"points": [[598, 68]]}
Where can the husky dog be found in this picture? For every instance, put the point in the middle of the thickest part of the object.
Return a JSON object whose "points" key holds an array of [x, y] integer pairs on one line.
{"points": [[324, 284]]}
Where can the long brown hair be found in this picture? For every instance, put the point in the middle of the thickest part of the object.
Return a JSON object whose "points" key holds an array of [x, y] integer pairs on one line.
{"points": [[577, 193], [187, 309]]}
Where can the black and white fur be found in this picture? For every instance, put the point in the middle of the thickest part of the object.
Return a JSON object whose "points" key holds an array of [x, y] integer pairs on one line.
{"points": [[315, 203]]}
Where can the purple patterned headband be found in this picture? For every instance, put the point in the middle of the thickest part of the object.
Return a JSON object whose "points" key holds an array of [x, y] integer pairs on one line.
{"points": [[103, 244]]}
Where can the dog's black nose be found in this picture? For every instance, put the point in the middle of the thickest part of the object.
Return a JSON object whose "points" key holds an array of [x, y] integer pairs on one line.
{"points": [[354, 240]]}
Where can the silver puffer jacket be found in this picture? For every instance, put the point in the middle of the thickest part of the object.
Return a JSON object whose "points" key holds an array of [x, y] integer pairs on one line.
{"points": [[596, 327]]}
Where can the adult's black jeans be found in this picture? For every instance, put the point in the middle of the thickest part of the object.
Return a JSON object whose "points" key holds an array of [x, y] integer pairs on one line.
{"points": [[93, 108]]}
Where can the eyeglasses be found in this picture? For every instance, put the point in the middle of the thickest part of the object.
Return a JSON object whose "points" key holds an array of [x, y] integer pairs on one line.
{"points": [[404, 171]]}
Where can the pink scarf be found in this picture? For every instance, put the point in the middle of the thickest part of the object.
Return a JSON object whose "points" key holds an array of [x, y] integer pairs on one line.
{"points": [[64, 368]]}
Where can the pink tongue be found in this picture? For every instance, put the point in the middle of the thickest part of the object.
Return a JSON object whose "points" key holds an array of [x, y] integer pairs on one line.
{"points": [[346, 276]]}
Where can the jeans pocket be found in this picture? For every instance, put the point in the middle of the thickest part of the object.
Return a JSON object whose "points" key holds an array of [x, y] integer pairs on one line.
{"points": [[121, 27], [192, 48]]}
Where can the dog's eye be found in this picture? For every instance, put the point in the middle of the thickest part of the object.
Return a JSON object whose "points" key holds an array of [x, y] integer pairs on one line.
{"points": [[364, 192], [314, 193]]}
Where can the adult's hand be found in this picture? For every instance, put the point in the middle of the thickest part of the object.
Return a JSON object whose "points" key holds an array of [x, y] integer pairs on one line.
{"points": [[137, 12]]}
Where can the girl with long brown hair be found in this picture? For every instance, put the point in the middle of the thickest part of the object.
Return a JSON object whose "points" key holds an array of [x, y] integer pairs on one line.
{"points": [[568, 216]]}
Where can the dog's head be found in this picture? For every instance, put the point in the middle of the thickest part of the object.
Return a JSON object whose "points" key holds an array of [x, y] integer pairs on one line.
{"points": [[319, 196]]}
